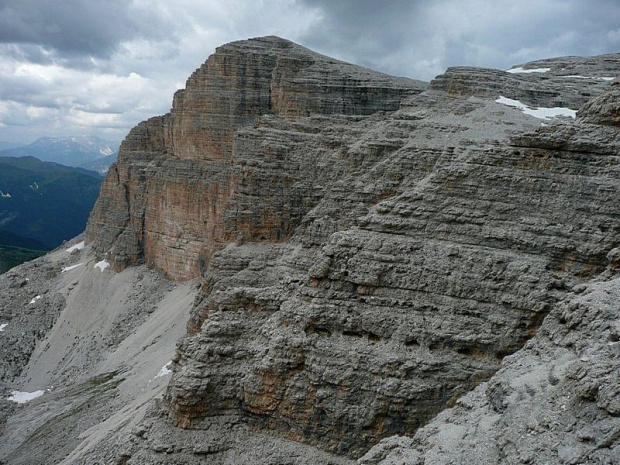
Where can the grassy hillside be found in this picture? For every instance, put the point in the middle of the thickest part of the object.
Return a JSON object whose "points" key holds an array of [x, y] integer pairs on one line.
{"points": [[15, 250], [41, 205]]}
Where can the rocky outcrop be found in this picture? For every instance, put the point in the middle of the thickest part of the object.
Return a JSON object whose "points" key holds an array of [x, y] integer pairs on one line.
{"points": [[366, 262], [562, 82], [186, 184], [603, 110], [394, 319], [555, 401], [27, 312]]}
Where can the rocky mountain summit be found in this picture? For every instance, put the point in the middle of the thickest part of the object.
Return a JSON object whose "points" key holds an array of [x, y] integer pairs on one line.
{"points": [[373, 269]]}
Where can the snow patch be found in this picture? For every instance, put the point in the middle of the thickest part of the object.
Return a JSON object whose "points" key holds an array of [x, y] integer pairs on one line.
{"points": [[102, 265], [106, 151], [34, 300], [23, 397], [540, 112], [69, 268], [2, 326], [79, 246], [165, 371], [604, 78], [5, 195], [521, 70]]}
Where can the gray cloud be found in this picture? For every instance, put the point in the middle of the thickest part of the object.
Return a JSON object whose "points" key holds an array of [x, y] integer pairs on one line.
{"points": [[101, 66], [78, 27], [421, 38]]}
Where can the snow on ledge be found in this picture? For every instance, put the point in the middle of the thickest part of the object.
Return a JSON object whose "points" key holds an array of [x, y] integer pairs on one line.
{"points": [[102, 265], [604, 78], [69, 268], [540, 112], [79, 246], [165, 371], [521, 70], [2, 326], [23, 397], [34, 300]]}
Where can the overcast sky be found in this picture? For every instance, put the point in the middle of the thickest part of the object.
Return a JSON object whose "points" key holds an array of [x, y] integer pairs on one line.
{"points": [[73, 67]]}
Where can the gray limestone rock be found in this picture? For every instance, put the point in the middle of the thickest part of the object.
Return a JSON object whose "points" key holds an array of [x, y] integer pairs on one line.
{"points": [[554, 401], [387, 272]]}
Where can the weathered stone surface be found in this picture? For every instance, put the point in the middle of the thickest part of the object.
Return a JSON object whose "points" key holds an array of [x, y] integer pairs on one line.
{"points": [[421, 247], [93, 344], [181, 185], [400, 315], [555, 401], [270, 75], [568, 82], [365, 266], [603, 110], [27, 311]]}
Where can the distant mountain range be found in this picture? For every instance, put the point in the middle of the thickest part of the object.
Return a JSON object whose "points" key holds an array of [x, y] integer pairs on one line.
{"points": [[9, 145], [101, 165], [41, 205], [90, 152]]}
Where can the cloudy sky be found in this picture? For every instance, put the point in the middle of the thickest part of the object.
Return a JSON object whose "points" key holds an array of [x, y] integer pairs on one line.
{"points": [[73, 67]]}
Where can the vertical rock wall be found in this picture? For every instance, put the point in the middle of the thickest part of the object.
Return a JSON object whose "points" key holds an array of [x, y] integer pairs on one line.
{"points": [[368, 252], [178, 176]]}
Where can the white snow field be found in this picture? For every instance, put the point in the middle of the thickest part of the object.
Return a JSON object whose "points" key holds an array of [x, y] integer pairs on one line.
{"points": [[22, 397], [521, 70], [540, 112], [78, 246]]}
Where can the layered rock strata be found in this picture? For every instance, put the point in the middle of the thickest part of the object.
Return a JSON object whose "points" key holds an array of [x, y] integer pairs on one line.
{"points": [[185, 185], [364, 261], [555, 401], [557, 82]]}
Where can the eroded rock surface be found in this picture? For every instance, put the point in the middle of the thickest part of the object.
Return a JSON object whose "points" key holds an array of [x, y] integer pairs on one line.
{"points": [[369, 250], [185, 183], [90, 342], [555, 401]]}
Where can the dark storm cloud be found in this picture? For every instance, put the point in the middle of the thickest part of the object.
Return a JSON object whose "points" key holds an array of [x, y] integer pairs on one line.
{"points": [[421, 38], [363, 26], [77, 27], [26, 52]]}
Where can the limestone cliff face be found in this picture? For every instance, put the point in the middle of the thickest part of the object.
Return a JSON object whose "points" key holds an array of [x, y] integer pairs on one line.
{"points": [[185, 184], [368, 252]]}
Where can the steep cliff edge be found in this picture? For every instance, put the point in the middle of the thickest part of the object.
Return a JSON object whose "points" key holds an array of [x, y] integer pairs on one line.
{"points": [[184, 186], [415, 248], [369, 249]]}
